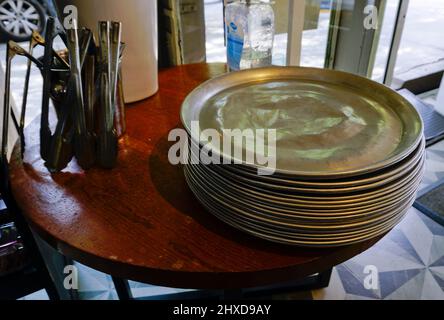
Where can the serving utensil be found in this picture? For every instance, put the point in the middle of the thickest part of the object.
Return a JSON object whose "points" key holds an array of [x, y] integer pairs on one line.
{"points": [[84, 84], [83, 139], [107, 140]]}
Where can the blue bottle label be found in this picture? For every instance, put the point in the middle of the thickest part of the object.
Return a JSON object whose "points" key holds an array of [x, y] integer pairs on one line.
{"points": [[235, 46]]}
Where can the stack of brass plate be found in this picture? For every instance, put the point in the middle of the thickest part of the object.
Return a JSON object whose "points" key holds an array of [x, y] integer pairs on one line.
{"points": [[349, 154]]}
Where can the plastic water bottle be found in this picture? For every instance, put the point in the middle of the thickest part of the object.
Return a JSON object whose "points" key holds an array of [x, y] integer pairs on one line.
{"points": [[250, 33]]}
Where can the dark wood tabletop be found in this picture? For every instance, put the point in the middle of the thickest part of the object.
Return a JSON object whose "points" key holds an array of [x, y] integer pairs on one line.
{"points": [[140, 221]]}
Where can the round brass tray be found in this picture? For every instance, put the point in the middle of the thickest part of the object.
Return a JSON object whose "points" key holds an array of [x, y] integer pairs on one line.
{"points": [[329, 124]]}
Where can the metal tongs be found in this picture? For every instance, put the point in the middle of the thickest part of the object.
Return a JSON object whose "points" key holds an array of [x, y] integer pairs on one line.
{"points": [[70, 136], [83, 139], [14, 49], [115, 52], [73, 89], [55, 150], [17, 50], [87, 61], [107, 137]]}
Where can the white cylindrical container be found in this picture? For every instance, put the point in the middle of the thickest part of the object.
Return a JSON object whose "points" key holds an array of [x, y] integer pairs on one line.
{"points": [[139, 32]]}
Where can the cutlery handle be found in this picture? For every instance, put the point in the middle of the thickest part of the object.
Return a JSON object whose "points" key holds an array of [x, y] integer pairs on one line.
{"points": [[89, 91], [61, 144], [45, 132], [104, 43], [83, 140], [85, 43], [115, 39], [107, 140]]}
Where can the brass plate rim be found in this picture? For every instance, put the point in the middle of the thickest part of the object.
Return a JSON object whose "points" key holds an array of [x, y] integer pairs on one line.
{"points": [[220, 171], [390, 224], [328, 199], [260, 219], [410, 184], [416, 155]]}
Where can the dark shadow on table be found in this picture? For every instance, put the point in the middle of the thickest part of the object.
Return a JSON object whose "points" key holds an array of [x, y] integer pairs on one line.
{"points": [[170, 182]]}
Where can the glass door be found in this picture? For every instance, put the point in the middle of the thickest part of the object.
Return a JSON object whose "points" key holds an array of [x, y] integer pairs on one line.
{"points": [[421, 49], [315, 35], [311, 43], [407, 43]]}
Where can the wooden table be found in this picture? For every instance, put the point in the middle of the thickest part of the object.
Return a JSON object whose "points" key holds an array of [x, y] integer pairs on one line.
{"points": [[140, 221]]}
